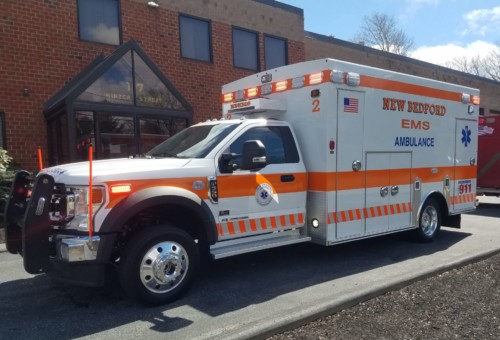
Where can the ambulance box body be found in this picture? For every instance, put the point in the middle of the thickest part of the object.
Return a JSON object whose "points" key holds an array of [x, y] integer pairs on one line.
{"points": [[375, 143]]}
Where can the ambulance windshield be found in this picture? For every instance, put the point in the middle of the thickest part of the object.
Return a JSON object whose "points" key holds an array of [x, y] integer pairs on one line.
{"points": [[194, 142]]}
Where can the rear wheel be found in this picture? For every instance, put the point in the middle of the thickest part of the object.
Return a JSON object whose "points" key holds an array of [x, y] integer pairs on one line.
{"points": [[429, 222], [158, 265]]}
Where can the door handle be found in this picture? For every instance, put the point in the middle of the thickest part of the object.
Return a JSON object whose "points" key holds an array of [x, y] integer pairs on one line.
{"points": [[394, 190], [384, 191], [287, 178]]}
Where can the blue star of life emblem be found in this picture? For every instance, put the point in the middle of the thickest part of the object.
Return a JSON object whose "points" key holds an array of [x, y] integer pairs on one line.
{"points": [[466, 136]]}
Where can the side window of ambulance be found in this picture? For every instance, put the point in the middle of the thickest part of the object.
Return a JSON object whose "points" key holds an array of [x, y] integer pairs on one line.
{"points": [[278, 140]]}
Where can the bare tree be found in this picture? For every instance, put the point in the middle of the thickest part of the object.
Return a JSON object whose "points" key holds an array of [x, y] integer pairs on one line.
{"points": [[380, 31], [465, 64], [492, 63], [487, 66]]}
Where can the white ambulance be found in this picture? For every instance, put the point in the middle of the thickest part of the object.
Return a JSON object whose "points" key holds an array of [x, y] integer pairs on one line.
{"points": [[322, 151]]}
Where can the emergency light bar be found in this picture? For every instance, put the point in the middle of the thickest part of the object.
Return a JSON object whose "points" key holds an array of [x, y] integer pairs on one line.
{"points": [[338, 77], [254, 106], [335, 76]]}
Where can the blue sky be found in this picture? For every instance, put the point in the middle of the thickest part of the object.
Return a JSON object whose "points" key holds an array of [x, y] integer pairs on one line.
{"points": [[441, 29]]}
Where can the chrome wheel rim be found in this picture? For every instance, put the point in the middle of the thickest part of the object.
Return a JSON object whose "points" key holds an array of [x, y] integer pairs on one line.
{"points": [[429, 220], [163, 267]]}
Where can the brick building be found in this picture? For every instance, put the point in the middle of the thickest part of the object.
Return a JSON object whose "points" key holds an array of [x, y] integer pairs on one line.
{"points": [[156, 69], [124, 74]]}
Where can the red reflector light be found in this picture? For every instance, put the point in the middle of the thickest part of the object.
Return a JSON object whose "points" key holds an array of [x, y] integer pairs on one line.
{"points": [[281, 86], [227, 97], [315, 78], [120, 189], [252, 92]]}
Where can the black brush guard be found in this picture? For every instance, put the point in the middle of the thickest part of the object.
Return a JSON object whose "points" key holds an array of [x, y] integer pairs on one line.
{"points": [[27, 222]]}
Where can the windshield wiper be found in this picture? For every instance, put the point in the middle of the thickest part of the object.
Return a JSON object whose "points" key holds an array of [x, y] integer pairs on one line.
{"points": [[163, 154]]}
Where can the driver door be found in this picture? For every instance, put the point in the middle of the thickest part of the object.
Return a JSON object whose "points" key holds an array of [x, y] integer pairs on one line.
{"points": [[268, 199]]}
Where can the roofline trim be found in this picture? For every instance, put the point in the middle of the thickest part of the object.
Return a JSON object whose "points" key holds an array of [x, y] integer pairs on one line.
{"points": [[283, 6], [371, 50]]}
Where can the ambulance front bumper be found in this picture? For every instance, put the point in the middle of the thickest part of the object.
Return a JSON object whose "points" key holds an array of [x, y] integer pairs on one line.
{"points": [[69, 257], [75, 249]]}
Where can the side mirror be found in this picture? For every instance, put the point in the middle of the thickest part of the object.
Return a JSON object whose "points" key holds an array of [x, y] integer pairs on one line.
{"points": [[254, 155], [225, 164]]}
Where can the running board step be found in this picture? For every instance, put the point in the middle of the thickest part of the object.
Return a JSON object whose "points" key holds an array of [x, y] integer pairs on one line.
{"points": [[255, 243]]}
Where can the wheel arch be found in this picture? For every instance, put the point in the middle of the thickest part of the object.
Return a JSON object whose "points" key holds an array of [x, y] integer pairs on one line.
{"points": [[175, 205], [439, 198]]}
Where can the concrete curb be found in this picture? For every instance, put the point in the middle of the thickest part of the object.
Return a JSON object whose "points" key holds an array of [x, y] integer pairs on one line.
{"points": [[263, 329], [3, 247]]}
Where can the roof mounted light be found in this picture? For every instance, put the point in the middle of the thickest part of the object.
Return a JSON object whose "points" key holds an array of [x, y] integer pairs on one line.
{"points": [[252, 92], [337, 77], [476, 100], [227, 97], [352, 79], [281, 86], [298, 82], [240, 95], [266, 89], [466, 98], [315, 78]]}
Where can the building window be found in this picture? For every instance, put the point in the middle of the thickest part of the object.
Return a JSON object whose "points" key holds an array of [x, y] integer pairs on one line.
{"points": [[195, 38], [117, 134], [98, 21], [275, 52], [245, 49]]}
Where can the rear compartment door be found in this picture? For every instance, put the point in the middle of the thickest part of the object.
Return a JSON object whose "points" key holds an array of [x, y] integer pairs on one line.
{"points": [[388, 191]]}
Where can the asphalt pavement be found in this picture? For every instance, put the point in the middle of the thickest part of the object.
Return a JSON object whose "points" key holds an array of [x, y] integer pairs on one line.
{"points": [[246, 296]]}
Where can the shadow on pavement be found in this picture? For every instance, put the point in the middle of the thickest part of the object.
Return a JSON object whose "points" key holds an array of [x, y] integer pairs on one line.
{"points": [[33, 307]]}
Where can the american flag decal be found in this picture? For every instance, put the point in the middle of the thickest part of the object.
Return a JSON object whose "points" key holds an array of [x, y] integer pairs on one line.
{"points": [[351, 105]]}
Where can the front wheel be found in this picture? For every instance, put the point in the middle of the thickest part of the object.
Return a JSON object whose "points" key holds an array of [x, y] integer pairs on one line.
{"points": [[429, 222], [158, 265]]}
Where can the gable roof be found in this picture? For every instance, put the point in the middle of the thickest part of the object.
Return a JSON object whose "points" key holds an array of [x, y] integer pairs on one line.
{"points": [[97, 68]]}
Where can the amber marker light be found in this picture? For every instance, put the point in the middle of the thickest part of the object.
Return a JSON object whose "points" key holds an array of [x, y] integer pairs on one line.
{"points": [[315, 78], [252, 92], [281, 86], [227, 97], [121, 189]]}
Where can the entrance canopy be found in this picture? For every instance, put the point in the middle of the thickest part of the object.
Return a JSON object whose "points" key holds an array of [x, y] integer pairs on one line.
{"points": [[122, 103]]}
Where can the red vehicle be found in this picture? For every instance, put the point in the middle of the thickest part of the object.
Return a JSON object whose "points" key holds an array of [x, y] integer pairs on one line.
{"points": [[488, 171]]}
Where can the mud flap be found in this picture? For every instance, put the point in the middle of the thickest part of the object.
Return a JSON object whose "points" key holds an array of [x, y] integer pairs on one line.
{"points": [[14, 211], [452, 221], [36, 228]]}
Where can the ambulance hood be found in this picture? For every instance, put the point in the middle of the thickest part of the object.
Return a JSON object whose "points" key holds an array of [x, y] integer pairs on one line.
{"points": [[117, 169]]}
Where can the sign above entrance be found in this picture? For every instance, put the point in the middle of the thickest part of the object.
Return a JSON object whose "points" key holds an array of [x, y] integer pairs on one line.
{"points": [[130, 81]]}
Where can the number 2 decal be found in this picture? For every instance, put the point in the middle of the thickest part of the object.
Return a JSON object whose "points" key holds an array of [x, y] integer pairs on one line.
{"points": [[315, 104]]}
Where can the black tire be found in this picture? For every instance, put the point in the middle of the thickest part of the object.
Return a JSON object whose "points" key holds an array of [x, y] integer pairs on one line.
{"points": [[158, 265], [429, 221]]}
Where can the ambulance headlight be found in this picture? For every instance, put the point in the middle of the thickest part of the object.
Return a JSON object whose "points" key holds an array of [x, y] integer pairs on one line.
{"points": [[80, 206]]}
